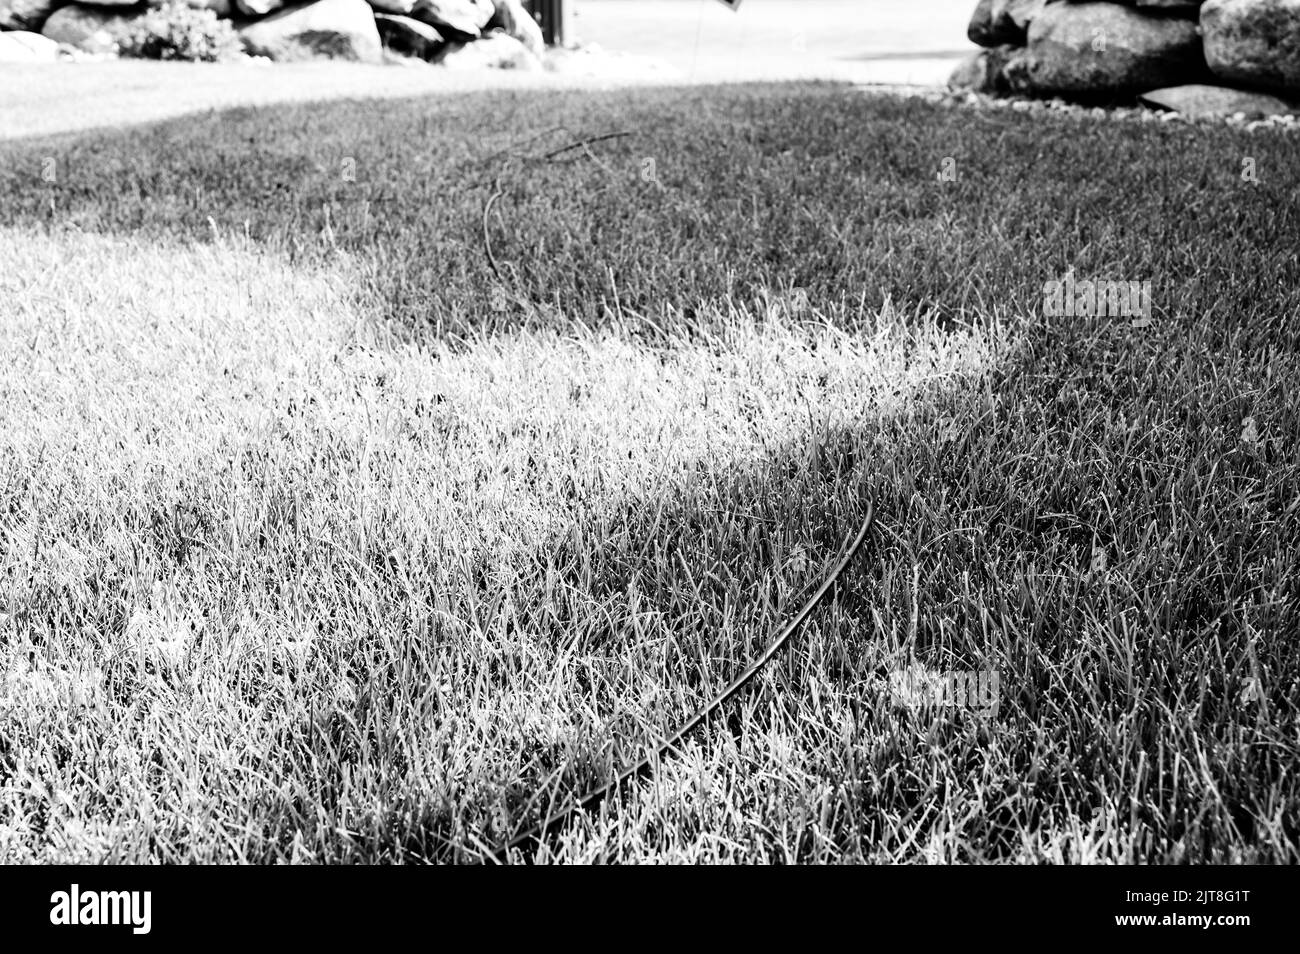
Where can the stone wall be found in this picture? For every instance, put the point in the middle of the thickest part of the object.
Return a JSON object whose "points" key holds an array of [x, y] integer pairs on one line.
{"points": [[476, 33], [1197, 56]]}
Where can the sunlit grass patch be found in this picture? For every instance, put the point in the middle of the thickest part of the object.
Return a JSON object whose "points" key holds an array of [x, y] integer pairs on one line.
{"points": [[243, 521]]}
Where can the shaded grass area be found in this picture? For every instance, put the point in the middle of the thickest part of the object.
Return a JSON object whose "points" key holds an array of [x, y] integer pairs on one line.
{"points": [[756, 190], [323, 544]]}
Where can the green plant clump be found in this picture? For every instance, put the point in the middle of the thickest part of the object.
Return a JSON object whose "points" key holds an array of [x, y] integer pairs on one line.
{"points": [[176, 31]]}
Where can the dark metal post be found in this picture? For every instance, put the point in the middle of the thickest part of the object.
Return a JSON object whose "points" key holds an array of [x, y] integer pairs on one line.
{"points": [[556, 18]]}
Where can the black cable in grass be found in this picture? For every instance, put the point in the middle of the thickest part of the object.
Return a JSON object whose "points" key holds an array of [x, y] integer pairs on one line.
{"points": [[509, 288], [487, 242], [531, 839], [583, 144], [510, 152]]}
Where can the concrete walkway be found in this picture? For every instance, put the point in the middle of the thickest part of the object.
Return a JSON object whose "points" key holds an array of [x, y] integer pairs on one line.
{"points": [[860, 41]]}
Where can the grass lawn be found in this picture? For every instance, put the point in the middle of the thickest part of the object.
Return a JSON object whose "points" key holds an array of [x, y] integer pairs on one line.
{"points": [[322, 539]]}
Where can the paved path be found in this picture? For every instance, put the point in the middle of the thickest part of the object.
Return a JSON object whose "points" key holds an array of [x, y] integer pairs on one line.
{"points": [[887, 41]]}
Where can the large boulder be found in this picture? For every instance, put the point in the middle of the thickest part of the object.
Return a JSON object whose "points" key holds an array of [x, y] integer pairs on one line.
{"points": [[333, 29], [996, 22], [981, 72], [1199, 101], [91, 29], [1254, 42], [455, 19], [26, 14], [23, 46], [513, 20], [1103, 50], [408, 36]]}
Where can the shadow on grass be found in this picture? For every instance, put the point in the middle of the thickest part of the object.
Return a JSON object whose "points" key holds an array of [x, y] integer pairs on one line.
{"points": [[1103, 674], [717, 194]]}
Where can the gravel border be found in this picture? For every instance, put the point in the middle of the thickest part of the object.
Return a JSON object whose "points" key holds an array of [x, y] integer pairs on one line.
{"points": [[1062, 107]]}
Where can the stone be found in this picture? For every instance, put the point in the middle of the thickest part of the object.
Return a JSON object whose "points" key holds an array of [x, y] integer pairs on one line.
{"points": [[409, 36], [997, 22], [981, 72], [89, 29], [455, 19], [401, 8], [26, 14], [331, 29], [1254, 42], [513, 20], [1104, 49], [1199, 101], [24, 46], [258, 8], [493, 51]]}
